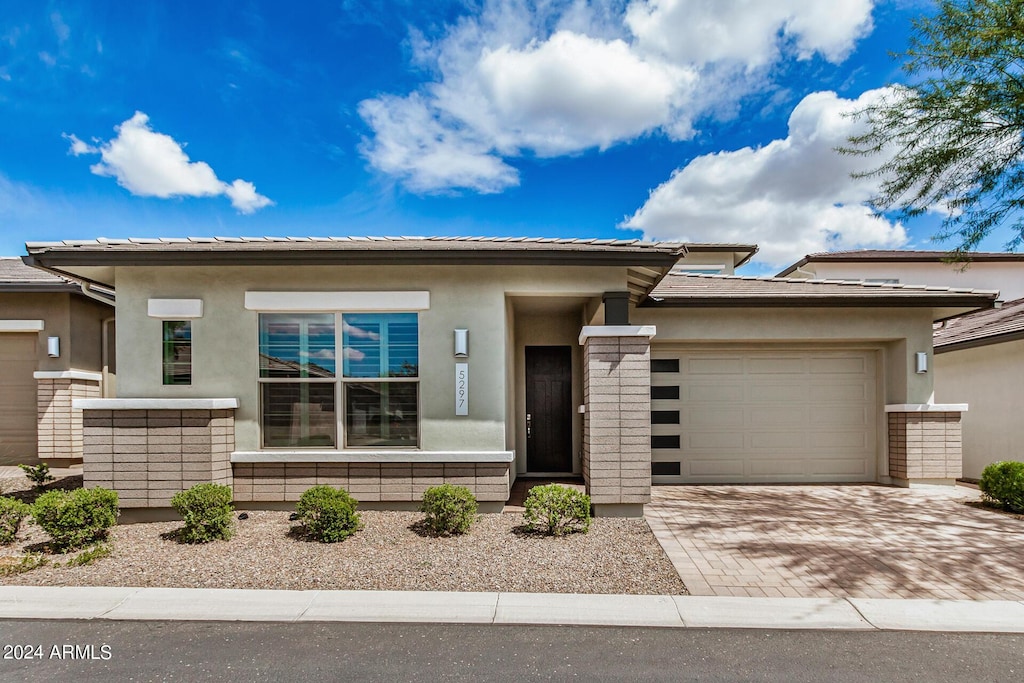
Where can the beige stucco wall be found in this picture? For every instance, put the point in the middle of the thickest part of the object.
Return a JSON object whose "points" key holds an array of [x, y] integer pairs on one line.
{"points": [[86, 333], [899, 332], [72, 318], [988, 379], [225, 354]]}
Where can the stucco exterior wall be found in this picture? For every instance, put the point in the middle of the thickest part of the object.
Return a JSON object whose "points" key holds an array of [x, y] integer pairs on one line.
{"points": [[54, 310], [87, 333], [900, 332], [1005, 276], [988, 379], [225, 339]]}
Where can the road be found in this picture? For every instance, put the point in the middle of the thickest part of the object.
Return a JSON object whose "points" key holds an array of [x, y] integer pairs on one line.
{"points": [[232, 651]]}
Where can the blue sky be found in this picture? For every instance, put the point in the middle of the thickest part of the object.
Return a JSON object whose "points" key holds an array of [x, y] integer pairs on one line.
{"points": [[704, 120]]}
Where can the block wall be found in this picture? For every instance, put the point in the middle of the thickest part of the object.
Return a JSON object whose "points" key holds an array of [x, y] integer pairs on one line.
{"points": [[925, 445], [368, 482], [617, 423], [149, 455], [58, 425]]}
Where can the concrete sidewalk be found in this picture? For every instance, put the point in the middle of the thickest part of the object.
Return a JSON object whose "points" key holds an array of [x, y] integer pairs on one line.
{"points": [[205, 604]]}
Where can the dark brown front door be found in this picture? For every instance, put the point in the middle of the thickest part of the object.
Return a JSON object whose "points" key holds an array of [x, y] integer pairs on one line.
{"points": [[548, 409]]}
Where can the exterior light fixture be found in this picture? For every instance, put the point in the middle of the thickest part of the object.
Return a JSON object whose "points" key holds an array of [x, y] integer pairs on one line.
{"points": [[462, 343], [53, 347], [922, 362]]}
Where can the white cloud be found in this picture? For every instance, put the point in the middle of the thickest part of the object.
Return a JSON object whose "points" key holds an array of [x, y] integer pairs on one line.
{"points": [[560, 77], [748, 31], [793, 196], [151, 164]]}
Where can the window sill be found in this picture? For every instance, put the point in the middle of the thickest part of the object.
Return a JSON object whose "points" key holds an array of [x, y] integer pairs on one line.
{"points": [[388, 456], [155, 403]]}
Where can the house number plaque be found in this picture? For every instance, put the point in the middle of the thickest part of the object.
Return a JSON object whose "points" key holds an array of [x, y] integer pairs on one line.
{"points": [[462, 388]]}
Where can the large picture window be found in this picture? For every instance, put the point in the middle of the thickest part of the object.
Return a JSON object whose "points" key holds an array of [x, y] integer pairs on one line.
{"points": [[300, 387]]}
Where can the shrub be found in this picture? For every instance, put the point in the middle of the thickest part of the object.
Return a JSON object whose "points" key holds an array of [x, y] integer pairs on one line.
{"points": [[328, 514], [39, 474], [74, 518], [557, 510], [11, 513], [207, 511], [449, 509], [90, 555], [1003, 483]]}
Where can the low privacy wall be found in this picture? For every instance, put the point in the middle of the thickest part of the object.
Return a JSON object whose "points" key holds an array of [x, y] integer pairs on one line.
{"points": [[58, 425], [148, 455], [925, 443]]}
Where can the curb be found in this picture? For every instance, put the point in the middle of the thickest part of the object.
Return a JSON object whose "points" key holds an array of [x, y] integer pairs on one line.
{"points": [[684, 611]]}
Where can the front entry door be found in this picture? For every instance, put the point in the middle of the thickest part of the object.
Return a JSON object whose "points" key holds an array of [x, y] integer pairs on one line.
{"points": [[549, 409]]}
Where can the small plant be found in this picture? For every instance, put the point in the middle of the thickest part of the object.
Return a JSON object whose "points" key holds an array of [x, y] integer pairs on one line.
{"points": [[449, 509], [39, 475], [11, 513], [328, 514], [207, 511], [75, 518], [557, 510], [25, 563], [90, 555], [1003, 483]]}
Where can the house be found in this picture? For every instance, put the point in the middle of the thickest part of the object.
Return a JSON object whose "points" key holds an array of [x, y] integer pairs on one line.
{"points": [[979, 358], [387, 365], [52, 337]]}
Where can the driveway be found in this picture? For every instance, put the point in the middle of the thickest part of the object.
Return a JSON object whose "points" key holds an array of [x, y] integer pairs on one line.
{"points": [[858, 541]]}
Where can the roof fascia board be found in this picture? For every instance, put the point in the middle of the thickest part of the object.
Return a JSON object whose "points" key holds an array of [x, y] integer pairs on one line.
{"points": [[821, 301], [983, 341]]}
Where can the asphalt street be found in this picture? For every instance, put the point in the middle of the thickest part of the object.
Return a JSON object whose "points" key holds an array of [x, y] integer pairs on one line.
{"points": [[39, 650]]}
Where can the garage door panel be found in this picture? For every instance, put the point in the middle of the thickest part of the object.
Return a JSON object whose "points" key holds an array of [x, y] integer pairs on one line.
{"points": [[854, 365], [714, 468], [776, 366], [804, 415], [714, 366]]}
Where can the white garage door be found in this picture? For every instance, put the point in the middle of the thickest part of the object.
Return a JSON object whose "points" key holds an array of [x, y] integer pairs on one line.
{"points": [[17, 398], [763, 416]]}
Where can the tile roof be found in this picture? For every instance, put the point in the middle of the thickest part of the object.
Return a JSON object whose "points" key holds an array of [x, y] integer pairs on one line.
{"points": [[391, 243], [15, 274], [900, 255], [705, 289], [983, 327]]}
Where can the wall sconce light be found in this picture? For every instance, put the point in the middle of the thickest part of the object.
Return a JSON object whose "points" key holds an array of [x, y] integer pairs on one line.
{"points": [[53, 347], [461, 343], [921, 362]]}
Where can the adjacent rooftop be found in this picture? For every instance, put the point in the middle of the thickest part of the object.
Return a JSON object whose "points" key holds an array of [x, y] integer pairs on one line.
{"points": [[991, 326]]}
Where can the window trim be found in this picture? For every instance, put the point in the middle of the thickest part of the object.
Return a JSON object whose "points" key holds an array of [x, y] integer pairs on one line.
{"points": [[339, 380]]}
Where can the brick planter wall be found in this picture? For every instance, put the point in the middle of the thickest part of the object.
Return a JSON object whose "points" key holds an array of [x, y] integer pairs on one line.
{"points": [[58, 425], [368, 482], [149, 455], [617, 423], [925, 446]]}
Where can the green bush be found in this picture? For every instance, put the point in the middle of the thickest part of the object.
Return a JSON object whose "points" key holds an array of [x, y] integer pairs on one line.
{"points": [[11, 513], [1003, 483], [557, 510], [207, 511], [39, 475], [449, 509], [328, 514], [74, 518]]}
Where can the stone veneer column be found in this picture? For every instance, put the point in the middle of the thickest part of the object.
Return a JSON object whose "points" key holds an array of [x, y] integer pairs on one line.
{"points": [[617, 421], [58, 425], [147, 450], [925, 443]]}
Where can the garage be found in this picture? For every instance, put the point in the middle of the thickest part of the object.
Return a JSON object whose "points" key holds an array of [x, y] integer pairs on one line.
{"points": [[17, 398], [748, 415]]}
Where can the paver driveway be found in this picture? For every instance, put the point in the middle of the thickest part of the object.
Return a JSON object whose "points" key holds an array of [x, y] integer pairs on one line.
{"points": [[843, 541]]}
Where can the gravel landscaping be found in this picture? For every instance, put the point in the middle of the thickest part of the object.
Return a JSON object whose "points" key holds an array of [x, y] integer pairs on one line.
{"points": [[391, 552]]}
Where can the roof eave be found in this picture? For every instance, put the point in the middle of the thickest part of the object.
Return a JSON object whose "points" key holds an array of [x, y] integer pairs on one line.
{"points": [[980, 341], [789, 301]]}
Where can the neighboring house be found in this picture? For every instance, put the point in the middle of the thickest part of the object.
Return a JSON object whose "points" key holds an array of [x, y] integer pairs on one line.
{"points": [[51, 336], [1001, 271], [387, 365], [978, 358]]}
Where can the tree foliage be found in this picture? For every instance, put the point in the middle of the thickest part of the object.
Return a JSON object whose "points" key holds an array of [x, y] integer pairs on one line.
{"points": [[953, 139]]}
